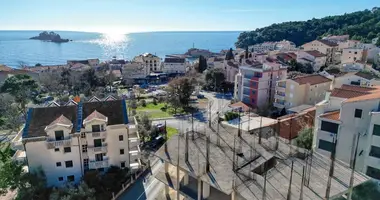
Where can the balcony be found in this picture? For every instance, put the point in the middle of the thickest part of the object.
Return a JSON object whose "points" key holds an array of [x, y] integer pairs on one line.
{"points": [[280, 96], [51, 144], [132, 128], [93, 164], [134, 138], [100, 149]]}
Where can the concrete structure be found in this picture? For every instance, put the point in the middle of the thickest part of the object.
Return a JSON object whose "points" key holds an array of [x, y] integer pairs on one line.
{"points": [[312, 57], [330, 49], [151, 62], [350, 55], [255, 83], [66, 141], [175, 66], [232, 69], [225, 166], [348, 116], [301, 90]]}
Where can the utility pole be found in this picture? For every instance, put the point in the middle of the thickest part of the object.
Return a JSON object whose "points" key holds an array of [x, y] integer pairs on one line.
{"points": [[331, 172], [353, 163]]}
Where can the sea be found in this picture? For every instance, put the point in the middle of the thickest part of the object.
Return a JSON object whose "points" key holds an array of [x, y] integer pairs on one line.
{"points": [[16, 49]]}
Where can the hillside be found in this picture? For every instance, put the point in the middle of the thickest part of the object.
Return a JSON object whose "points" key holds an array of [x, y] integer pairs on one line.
{"points": [[361, 25]]}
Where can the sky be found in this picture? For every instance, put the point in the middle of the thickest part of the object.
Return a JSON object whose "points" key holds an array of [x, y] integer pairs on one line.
{"points": [[125, 16]]}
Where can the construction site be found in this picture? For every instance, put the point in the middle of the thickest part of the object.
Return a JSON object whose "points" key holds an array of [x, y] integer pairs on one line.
{"points": [[222, 163]]}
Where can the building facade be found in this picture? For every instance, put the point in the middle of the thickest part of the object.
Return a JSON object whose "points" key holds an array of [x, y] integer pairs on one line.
{"points": [[313, 57], [301, 90], [330, 49], [151, 62], [67, 141], [350, 55], [348, 116], [256, 83], [175, 66]]}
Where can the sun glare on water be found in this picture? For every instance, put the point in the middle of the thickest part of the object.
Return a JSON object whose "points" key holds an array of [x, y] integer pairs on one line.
{"points": [[113, 43]]}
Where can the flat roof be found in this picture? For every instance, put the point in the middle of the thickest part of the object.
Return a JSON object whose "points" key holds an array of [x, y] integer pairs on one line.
{"points": [[300, 108], [249, 185], [250, 123]]}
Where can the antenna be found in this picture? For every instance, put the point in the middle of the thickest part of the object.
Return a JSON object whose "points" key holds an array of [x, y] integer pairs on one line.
{"points": [[261, 122], [233, 155], [166, 138], [290, 182], [302, 182]]}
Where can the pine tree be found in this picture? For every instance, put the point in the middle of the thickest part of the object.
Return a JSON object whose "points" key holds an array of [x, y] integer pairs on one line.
{"points": [[230, 55]]}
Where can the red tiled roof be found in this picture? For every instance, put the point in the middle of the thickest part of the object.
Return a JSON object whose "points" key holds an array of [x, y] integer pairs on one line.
{"points": [[315, 53], [61, 120], [357, 88], [328, 43], [95, 115], [334, 115], [311, 79], [242, 105], [290, 125], [345, 93]]}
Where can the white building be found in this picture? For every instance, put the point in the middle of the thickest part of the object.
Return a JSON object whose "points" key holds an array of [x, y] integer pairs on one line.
{"points": [[312, 57], [67, 141], [345, 113], [175, 66], [150, 61]]}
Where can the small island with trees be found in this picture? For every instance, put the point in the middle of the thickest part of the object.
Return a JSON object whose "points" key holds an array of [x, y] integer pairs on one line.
{"points": [[50, 37]]}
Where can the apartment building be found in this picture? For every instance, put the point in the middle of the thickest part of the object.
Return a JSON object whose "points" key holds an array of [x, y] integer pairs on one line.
{"points": [[301, 90], [347, 119], [151, 62], [312, 57], [255, 83], [67, 141], [351, 55], [175, 66], [330, 49]]}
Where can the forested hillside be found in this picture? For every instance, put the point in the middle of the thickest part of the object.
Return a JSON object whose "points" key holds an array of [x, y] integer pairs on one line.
{"points": [[361, 25]]}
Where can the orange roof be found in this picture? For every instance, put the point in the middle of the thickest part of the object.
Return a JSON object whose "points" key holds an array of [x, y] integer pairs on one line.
{"points": [[357, 88], [242, 105], [334, 115], [346, 93], [95, 115], [315, 53], [311, 79]]}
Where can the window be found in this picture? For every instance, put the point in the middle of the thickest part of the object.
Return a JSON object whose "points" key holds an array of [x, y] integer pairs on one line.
{"points": [[375, 151], [70, 178], [69, 164], [373, 172], [60, 178], [358, 113], [122, 164], [325, 145], [121, 138], [83, 135], [376, 130], [58, 164], [85, 163], [56, 149], [97, 142], [356, 52], [84, 148], [329, 127], [121, 151], [59, 135], [99, 157], [254, 84], [67, 149], [95, 128]]}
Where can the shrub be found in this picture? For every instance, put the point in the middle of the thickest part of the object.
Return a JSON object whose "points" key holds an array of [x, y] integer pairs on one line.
{"points": [[154, 101], [143, 103]]}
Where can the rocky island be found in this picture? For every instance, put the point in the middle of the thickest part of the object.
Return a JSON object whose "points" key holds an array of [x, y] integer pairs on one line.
{"points": [[50, 36]]}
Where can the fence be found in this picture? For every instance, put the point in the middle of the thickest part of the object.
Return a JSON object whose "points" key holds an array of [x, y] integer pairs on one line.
{"points": [[126, 185]]}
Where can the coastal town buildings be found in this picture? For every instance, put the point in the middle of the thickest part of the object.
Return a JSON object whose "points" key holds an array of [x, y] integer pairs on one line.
{"points": [[151, 62], [353, 54], [302, 90], [216, 62], [346, 120], [330, 49], [175, 66], [67, 141], [90, 62], [255, 83], [6, 72], [312, 57], [283, 45]]}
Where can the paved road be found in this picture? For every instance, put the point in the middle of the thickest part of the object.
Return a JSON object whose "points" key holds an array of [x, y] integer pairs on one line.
{"points": [[141, 189], [150, 189]]}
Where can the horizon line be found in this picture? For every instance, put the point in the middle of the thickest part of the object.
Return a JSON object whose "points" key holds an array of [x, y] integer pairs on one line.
{"points": [[163, 31]]}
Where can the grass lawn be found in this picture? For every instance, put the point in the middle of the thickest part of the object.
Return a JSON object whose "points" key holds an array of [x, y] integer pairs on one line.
{"points": [[171, 131], [153, 111]]}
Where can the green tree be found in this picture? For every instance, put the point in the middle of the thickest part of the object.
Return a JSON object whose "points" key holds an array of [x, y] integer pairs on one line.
{"points": [[38, 65], [378, 42], [246, 52], [215, 78], [23, 88], [10, 171], [71, 192], [202, 66], [305, 138], [179, 91], [229, 55]]}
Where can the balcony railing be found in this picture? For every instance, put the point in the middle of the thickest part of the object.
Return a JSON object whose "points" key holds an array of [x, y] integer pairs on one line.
{"points": [[101, 133], [102, 148], [278, 105], [93, 164], [51, 144]]}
